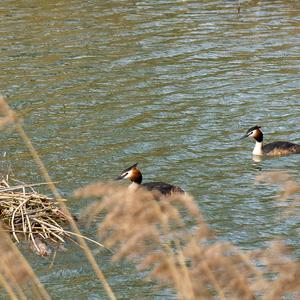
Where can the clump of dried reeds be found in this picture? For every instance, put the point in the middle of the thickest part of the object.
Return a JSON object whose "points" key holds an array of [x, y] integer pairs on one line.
{"points": [[8, 117], [28, 215], [16, 275], [169, 238]]}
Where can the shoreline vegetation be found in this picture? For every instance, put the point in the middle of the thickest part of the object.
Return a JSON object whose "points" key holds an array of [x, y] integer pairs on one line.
{"points": [[33, 217], [166, 236]]}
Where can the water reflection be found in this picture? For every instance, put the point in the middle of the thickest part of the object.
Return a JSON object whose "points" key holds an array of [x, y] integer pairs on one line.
{"points": [[170, 84]]}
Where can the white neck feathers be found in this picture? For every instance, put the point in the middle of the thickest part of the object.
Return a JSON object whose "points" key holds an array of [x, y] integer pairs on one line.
{"points": [[133, 186], [258, 148]]}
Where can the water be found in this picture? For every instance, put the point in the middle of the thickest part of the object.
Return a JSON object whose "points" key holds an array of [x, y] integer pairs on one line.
{"points": [[169, 84]]}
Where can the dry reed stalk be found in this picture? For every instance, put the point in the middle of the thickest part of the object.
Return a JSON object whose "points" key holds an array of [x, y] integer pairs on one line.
{"points": [[283, 272], [9, 116], [16, 275], [170, 239], [141, 224], [12, 118], [289, 189], [32, 216]]}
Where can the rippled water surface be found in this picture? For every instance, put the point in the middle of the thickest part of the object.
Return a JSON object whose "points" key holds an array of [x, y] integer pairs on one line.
{"points": [[169, 84]]}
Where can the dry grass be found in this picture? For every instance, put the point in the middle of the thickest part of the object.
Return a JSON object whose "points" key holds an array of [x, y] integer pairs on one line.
{"points": [[16, 275], [288, 186], [289, 192], [34, 217], [166, 236], [170, 239], [10, 118]]}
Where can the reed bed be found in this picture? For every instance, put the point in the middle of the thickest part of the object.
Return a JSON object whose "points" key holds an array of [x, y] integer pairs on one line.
{"points": [[8, 117], [168, 237], [33, 217]]}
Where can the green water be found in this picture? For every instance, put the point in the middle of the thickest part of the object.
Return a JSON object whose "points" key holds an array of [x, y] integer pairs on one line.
{"points": [[172, 85]]}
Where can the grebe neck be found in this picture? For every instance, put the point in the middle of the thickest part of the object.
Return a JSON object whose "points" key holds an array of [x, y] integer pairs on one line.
{"points": [[258, 149], [133, 186]]}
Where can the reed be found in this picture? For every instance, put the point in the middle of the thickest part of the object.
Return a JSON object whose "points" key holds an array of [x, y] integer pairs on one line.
{"points": [[289, 187], [289, 190], [168, 237], [37, 218], [31, 216], [10, 118], [16, 275]]}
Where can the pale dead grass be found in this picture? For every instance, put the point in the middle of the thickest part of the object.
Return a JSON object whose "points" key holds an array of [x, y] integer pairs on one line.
{"points": [[169, 238], [289, 190], [32, 217], [9, 118], [288, 186], [166, 236], [16, 275]]}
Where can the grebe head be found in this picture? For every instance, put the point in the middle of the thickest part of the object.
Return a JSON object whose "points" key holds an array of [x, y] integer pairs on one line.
{"points": [[255, 133], [132, 173]]}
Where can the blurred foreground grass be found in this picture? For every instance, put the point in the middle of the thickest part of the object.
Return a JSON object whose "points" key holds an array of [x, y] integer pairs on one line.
{"points": [[166, 236]]}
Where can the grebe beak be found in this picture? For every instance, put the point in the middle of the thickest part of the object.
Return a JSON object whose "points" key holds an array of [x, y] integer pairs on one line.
{"points": [[244, 136]]}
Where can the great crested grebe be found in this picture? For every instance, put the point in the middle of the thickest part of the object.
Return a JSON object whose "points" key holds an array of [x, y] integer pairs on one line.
{"points": [[135, 176], [272, 149]]}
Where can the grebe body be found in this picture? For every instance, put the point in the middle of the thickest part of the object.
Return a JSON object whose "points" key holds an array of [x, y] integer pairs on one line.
{"points": [[279, 148], [135, 176]]}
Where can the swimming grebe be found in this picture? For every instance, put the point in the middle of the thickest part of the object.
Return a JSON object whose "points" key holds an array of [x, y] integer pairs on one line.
{"points": [[135, 176], [272, 149]]}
